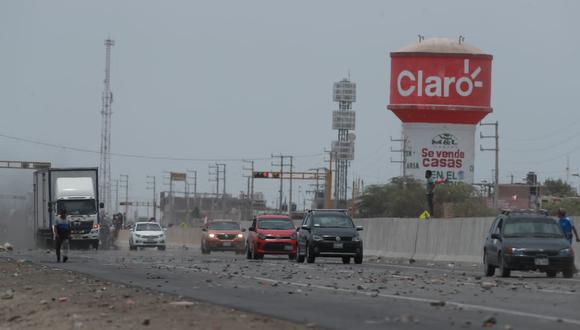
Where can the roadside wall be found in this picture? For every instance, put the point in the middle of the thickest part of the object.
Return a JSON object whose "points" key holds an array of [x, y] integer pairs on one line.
{"points": [[456, 239]]}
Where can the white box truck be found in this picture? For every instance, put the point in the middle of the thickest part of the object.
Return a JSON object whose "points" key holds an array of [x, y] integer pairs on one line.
{"points": [[76, 191]]}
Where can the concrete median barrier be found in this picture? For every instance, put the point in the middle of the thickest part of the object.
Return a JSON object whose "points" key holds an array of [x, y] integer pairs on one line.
{"points": [[455, 240]]}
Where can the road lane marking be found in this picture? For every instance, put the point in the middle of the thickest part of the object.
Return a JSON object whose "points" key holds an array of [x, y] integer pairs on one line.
{"points": [[427, 300], [408, 298]]}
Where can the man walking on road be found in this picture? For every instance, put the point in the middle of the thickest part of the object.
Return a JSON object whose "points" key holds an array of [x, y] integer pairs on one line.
{"points": [[567, 226], [61, 231]]}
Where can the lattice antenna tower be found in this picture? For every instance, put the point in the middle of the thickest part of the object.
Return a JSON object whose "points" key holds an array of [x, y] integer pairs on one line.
{"points": [[106, 114], [343, 120]]}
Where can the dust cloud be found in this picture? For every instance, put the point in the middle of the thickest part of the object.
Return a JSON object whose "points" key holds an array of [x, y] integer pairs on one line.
{"points": [[16, 208]]}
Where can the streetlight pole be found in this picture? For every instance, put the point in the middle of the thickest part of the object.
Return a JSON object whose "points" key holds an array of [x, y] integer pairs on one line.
{"points": [[496, 149], [153, 187]]}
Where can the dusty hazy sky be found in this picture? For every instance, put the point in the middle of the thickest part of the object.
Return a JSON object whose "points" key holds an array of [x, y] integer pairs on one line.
{"points": [[245, 79]]}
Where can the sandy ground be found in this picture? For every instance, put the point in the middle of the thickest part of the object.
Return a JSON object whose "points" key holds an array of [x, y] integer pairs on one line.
{"points": [[40, 297]]}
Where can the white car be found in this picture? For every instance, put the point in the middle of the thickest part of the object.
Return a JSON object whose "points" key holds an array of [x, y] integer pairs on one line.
{"points": [[147, 234]]}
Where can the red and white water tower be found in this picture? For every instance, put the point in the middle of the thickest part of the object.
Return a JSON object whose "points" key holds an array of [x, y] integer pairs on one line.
{"points": [[440, 90]]}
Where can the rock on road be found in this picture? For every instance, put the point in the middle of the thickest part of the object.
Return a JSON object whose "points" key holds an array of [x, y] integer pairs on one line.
{"points": [[374, 295]]}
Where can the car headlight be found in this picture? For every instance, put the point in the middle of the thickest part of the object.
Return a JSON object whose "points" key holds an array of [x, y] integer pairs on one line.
{"points": [[137, 235], [316, 238], [240, 235], [211, 235], [356, 239], [293, 236], [261, 236], [566, 252]]}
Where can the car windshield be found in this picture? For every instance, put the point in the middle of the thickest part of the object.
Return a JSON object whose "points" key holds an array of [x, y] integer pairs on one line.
{"points": [[224, 226], [147, 227], [276, 224], [332, 221], [543, 227], [78, 206]]}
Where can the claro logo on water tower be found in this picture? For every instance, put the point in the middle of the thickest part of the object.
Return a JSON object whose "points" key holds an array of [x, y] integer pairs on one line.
{"points": [[434, 80], [409, 82]]}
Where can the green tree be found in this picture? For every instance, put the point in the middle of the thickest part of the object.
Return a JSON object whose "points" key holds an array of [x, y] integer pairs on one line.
{"points": [[571, 205], [195, 213], [402, 197], [463, 200], [557, 188]]}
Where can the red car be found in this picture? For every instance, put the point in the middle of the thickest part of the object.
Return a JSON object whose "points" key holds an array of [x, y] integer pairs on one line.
{"points": [[271, 234], [222, 235]]}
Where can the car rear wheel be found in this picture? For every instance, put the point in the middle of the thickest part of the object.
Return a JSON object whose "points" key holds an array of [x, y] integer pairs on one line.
{"points": [[346, 260], [488, 269], [309, 255], [568, 273], [503, 270]]}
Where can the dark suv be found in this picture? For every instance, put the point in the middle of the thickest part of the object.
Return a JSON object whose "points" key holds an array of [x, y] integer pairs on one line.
{"points": [[329, 233], [527, 240]]}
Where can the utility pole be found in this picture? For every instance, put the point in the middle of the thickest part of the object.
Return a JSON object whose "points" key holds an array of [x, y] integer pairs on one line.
{"points": [[250, 185], [290, 198], [496, 149], [221, 169], [281, 166], [568, 169], [214, 177], [404, 153], [151, 185], [116, 195], [188, 184], [124, 180]]}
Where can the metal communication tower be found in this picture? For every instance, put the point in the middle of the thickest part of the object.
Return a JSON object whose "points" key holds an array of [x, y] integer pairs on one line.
{"points": [[105, 161], [343, 120]]}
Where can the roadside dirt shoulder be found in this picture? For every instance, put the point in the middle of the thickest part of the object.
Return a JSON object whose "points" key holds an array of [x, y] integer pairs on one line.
{"points": [[40, 297]]}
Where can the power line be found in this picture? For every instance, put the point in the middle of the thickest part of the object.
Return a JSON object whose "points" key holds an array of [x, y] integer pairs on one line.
{"points": [[138, 156]]}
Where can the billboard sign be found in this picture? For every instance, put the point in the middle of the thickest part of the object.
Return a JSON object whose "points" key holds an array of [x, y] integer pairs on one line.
{"points": [[178, 176], [440, 87], [447, 150], [453, 80]]}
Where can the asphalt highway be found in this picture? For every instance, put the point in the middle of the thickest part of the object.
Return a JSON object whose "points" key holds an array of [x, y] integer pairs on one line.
{"points": [[378, 294]]}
